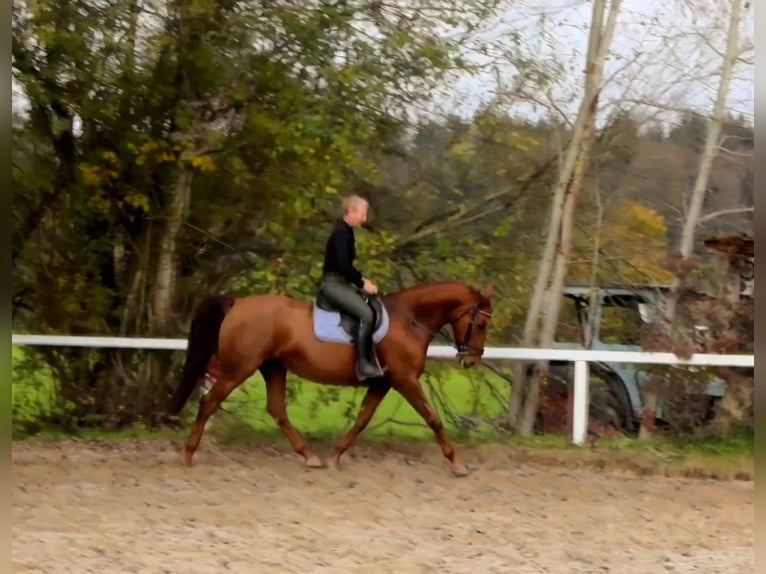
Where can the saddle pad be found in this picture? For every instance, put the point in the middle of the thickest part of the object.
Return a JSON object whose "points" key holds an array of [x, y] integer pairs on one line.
{"points": [[327, 327]]}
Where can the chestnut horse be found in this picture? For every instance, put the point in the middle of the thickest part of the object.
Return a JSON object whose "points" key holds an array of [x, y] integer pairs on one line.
{"points": [[275, 334]]}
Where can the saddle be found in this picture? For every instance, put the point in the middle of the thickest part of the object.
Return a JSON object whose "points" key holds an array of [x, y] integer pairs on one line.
{"points": [[348, 322]]}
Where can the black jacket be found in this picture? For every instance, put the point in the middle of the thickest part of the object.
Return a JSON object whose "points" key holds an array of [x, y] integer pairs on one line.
{"points": [[340, 253]]}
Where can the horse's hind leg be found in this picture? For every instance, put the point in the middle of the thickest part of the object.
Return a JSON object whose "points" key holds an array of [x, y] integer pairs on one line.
{"points": [[207, 406], [376, 392], [275, 376]]}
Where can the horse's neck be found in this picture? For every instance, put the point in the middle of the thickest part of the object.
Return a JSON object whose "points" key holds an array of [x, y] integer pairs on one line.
{"points": [[433, 307]]}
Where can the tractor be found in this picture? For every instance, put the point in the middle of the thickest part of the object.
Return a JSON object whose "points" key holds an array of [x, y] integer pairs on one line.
{"points": [[615, 388]]}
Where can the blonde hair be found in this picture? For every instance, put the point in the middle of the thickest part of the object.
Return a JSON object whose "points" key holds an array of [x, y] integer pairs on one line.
{"points": [[352, 202]]}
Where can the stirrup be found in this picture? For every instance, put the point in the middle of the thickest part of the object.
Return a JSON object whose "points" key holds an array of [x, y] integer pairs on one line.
{"points": [[369, 363], [374, 373]]}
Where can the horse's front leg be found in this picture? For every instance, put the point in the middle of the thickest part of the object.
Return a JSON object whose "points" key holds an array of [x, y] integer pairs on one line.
{"points": [[412, 391]]}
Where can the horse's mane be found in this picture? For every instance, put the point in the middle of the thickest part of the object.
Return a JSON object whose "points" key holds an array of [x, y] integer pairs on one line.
{"points": [[425, 286]]}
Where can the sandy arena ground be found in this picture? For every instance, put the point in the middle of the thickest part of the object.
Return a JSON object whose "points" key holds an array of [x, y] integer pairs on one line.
{"points": [[132, 507]]}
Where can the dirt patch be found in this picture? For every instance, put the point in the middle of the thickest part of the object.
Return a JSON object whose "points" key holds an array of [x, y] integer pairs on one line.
{"points": [[131, 507]]}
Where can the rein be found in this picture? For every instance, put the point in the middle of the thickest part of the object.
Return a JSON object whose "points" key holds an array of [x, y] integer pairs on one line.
{"points": [[463, 348]]}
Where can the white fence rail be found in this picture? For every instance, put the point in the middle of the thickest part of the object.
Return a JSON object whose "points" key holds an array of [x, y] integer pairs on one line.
{"points": [[581, 359]]}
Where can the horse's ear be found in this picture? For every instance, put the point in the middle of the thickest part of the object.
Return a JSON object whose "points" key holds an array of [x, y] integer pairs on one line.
{"points": [[489, 291]]}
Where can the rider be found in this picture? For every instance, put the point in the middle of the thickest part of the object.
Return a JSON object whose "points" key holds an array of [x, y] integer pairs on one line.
{"points": [[341, 281]]}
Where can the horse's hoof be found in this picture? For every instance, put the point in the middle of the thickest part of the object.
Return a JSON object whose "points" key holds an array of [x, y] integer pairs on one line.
{"points": [[314, 462], [460, 470], [188, 458]]}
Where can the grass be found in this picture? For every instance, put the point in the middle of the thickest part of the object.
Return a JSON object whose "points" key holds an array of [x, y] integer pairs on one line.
{"points": [[465, 400], [725, 458]]}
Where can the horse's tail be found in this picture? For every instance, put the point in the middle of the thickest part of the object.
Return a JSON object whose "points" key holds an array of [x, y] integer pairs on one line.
{"points": [[202, 345]]}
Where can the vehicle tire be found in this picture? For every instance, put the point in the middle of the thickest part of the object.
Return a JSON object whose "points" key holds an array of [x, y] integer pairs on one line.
{"points": [[609, 401]]}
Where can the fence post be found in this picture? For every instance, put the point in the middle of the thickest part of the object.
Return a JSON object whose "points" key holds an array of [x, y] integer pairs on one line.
{"points": [[580, 407]]}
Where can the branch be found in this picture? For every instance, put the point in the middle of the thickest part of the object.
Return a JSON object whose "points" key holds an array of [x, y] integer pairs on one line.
{"points": [[658, 105], [466, 213], [722, 147], [735, 153], [722, 212]]}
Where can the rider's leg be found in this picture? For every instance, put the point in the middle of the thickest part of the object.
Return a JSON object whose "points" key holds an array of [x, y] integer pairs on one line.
{"points": [[344, 297]]}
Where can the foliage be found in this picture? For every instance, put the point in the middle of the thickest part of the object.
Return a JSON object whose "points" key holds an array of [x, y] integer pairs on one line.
{"points": [[123, 209], [175, 149], [632, 247]]}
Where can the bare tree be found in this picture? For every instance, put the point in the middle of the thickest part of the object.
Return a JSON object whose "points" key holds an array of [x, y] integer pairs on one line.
{"points": [[733, 53], [543, 313]]}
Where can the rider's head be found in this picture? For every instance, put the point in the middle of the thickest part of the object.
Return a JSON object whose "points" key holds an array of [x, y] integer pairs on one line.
{"points": [[355, 210]]}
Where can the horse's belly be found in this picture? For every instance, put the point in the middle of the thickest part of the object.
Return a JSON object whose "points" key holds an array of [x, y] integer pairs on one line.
{"points": [[327, 363]]}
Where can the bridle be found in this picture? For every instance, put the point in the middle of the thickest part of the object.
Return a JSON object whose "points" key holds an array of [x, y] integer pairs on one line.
{"points": [[464, 347]]}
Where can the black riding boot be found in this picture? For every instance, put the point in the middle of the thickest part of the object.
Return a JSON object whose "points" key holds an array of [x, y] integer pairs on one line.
{"points": [[366, 364]]}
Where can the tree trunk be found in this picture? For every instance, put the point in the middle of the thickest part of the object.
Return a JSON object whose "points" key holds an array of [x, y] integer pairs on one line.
{"points": [[545, 267], [157, 366], [545, 303], [591, 325], [164, 281], [694, 213]]}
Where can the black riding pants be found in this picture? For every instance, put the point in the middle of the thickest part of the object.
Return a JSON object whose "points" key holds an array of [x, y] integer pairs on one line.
{"points": [[347, 298]]}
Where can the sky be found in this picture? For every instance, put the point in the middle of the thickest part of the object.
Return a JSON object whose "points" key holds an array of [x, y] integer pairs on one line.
{"points": [[663, 52]]}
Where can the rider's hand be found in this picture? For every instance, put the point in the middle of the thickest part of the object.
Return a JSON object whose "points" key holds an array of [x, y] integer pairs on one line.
{"points": [[370, 287]]}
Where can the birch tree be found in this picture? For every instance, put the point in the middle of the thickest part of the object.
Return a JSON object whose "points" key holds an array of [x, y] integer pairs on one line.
{"points": [[544, 308], [734, 51]]}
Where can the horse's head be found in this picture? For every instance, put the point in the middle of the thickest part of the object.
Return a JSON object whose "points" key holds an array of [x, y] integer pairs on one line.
{"points": [[470, 324]]}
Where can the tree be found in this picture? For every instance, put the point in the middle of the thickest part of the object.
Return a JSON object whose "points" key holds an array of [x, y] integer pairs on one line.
{"points": [[543, 312], [145, 160], [626, 243], [733, 52]]}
